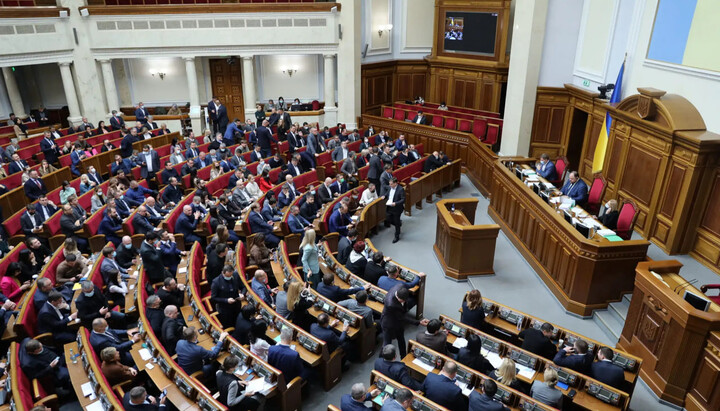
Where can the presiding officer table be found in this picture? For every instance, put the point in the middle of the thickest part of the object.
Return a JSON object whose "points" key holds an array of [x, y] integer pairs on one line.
{"points": [[463, 248]]}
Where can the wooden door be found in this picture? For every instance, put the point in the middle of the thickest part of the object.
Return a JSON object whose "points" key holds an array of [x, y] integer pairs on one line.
{"points": [[227, 86]]}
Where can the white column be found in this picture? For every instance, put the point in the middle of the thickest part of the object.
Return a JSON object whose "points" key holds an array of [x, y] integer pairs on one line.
{"points": [[13, 93], [248, 85], [329, 93], [111, 93], [348, 57], [525, 57], [194, 95], [70, 95]]}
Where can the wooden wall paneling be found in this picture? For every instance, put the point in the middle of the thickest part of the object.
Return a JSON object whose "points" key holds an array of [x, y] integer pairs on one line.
{"points": [[549, 122], [704, 393]]}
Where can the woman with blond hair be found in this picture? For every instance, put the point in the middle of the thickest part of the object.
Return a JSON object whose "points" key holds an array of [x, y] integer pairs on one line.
{"points": [[472, 310], [310, 262], [505, 374], [71, 248], [545, 391], [298, 304], [610, 218], [215, 171], [112, 369]]}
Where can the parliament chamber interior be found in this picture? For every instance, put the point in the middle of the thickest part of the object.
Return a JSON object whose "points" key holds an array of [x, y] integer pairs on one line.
{"points": [[457, 205]]}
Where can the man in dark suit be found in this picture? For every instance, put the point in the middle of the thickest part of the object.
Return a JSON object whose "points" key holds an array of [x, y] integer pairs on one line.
{"points": [[152, 260], [265, 138], [340, 222], [486, 400], [324, 330], [258, 224], [94, 176], [169, 171], [395, 205], [173, 192], [385, 177], [126, 253], [150, 124], [433, 337], [38, 361], [294, 140], [222, 116], [110, 225], [213, 108], [69, 223], [244, 323], [395, 370], [420, 118], [576, 358], [186, 224], [54, 317], [121, 164], [376, 168], [605, 371], [150, 162], [576, 188], [345, 246], [103, 336], [285, 358], [126, 144], [225, 293], [433, 162], [45, 208], [141, 223], [394, 317], [539, 341], [294, 168], [172, 328], [76, 158], [381, 138], [325, 192], [546, 169], [141, 113], [49, 148], [256, 154], [441, 388], [332, 292], [30, 221], [16, 165], [190, 167], [107, 146], [297, 223], [191, 356], [355, 401], [138, 400], [116, 121], [154, 314]]}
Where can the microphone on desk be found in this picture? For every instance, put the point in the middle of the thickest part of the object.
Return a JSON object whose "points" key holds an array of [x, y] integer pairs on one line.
{"points": [[685, 284]]}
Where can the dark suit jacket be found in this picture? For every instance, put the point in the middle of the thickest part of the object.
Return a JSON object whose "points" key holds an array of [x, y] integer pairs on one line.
{"points": [[27, 225], [186, 225], [335, 293], [140, 407], [609, 373], [394, 312], [255, 156], [67, 225], [441, 390], [577, 362], [398, 199], [172, 194], [397, 371], [325, 194], [535, 342], [481, 402], [116, 122], [286, 360], [577, 191], [373, 272], [126, 148], [221, 290], [376, 168], [13, 167], [101, 341], [109, 226], [423, 119], [141, 114], [171, 333], [142, 225], [548, 171], [257, 224], [347, 403], [156, 317], [51, 153], [328, 335], [155, 164], [435, 341], [264, 137], [152, 262], [49, 322]]}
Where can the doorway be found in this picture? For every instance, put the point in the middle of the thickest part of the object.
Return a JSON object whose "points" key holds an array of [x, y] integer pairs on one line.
{"points": [[226, 81], [576, 138]]}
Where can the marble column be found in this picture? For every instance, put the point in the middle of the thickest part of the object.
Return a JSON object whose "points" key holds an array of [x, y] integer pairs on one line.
{"points": [[248, 85], [348, 57], [111, 94], [195, 117], [329, 93], [13, 93], [525, 58], [70, 95]]}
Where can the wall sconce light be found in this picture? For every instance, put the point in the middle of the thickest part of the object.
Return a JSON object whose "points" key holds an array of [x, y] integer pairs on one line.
{"points": [[383, 28], [154, 72], [290, 71]]}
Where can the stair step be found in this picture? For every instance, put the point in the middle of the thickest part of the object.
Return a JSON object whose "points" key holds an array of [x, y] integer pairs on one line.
{"points": [[628, 298], [620, 309], [609, 323]]}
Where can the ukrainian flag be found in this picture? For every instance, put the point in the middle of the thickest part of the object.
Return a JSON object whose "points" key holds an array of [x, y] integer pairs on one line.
{"points": [[602, 143]]}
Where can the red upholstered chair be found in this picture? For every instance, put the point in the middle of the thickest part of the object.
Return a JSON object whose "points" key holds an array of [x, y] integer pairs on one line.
{"points": [[399, 114], [493, 133], [626, 220], [597, 190], [706, 287], [411, 114], [465, 126], [480, 128], [450, 123], [437, 121], [387, 112], [315, 105], [561, 167]]}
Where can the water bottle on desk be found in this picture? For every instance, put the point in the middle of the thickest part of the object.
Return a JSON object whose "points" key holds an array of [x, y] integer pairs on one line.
{"points": [[73, 357]]}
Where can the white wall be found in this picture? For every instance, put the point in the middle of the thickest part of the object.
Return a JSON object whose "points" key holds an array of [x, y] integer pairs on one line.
{"points": [[306, 84], [155, 91], [561, 33]]}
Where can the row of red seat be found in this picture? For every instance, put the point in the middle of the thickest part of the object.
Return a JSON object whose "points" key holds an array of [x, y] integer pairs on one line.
{"points": [[458, 109]]}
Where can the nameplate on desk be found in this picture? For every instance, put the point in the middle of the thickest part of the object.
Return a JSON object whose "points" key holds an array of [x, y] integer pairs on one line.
{"points": [[425, 366], [96, 406], [182, 270]]}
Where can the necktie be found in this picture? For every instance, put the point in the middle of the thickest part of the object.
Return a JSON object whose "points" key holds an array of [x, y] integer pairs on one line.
{"points": [[112, 337], [19, 164], [38, 183]]}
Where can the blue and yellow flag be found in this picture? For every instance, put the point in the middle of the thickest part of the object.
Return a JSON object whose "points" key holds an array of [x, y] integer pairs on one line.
{"points": [[602, 143]]}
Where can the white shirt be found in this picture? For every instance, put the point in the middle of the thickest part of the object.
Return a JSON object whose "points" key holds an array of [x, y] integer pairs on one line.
{"points": [[148, 160], [391, 195], [368, 197]]}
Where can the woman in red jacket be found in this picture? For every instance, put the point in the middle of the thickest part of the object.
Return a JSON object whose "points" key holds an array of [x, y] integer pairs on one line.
{"points": [[10, 285], [264, 181]]}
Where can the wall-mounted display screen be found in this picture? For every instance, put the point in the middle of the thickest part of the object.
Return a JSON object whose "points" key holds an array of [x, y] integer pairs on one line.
{"points": [[470, 33]]}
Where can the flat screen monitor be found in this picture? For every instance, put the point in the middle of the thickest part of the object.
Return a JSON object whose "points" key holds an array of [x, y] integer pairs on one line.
{"points": [[696, 301], [470, 33]]}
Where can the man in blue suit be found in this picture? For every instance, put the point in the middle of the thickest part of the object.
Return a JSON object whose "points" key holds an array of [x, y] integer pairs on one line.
{"points": [[102, 337], [329, 290], [441, 388], [38, 361], [121, 164], [485, 401], [265, 138], [173, 192], [135, 195], [259, 284], [576, 358], [258, 224], [340, 221], [54, 317], [49, 148], [141, 223], [109, 226], [169, 251], [297, 223], [390, 280], [126, 144], [325, 331], [186, 224], [286, 359], [606, 372], [270, 212], [76, 156], [286, 196], [395, 370], [141, 113], [16, 165], [355, 401], [403, 399], [546, 169], [256, 154], [233, 132], [191, 356], [576, 188], [34, 187], [94, 176]]}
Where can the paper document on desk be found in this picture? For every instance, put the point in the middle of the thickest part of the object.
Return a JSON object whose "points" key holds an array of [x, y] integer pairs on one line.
{"points": [[591, 222], [533, 178], [605, 232], [528, 171], [145, 354], [425, 366], [460, 343], [87, 389], [182, 270], [524, 371], [564, 206], [494, 358], [466, 391], [96, 406]]}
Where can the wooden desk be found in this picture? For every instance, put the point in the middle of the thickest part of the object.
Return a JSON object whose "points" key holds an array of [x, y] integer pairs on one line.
{"points": [[462, 248], [584, 275], [78, 375]]}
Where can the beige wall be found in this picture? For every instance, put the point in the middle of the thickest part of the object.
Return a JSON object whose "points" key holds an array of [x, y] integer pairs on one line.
{"points": [[306, 84]]}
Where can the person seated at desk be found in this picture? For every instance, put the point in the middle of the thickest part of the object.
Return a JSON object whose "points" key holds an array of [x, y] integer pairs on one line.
{"points": [[226, 291], [186, 224], [155, 314], [258, 224], [355, 401], [433, 337], [605, 371], [486, 401], [473, 313], [358, 305], [92, 305], [191, 356], [441, 388], [576, 358], [38, 361], [546, 169], [576, 189], [172, 329], [390, 280], [334, 293], [610, 217], [230, 388], [395, 370], [505, 374], [171, 293], [260, 285], [340, 221], [138, 400], [375, 268], [54, 317], [470, 355], [110, 224], [310, 209], [113, 370], [539, 341], [70, 271], [297, 223], [127, 254], [102, 336], [243, 324], [297, 303], [260, 254], [545, 391], [259, 342], [356, 261], [324, 330]]}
